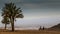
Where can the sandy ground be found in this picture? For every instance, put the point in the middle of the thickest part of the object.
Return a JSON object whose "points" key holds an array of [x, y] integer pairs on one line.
{"points": [[30, 32]]}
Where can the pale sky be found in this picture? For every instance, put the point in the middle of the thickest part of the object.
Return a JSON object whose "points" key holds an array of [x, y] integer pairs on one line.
{"points": [[36, 12]]}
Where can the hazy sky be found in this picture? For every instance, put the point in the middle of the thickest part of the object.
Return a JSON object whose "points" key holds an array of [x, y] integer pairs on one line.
{"points": [[36, 12]]}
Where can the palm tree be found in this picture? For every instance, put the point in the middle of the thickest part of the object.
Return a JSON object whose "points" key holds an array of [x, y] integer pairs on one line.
{"points": [[5, 21], [12, 12]]}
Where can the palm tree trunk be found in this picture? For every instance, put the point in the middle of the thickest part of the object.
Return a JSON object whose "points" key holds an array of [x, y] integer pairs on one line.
{"points": [[12, 26], [12, 23], [5, 26]]}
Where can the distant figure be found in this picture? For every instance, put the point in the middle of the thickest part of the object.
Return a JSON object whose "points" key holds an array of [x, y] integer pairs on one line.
{"points": [[43, 28], [40, 28]]}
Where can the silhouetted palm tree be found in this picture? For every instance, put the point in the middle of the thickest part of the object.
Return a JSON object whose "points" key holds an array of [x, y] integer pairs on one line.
{"points": [[12, 12], [5, 21], [40, 28], [43, 28]]}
